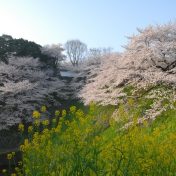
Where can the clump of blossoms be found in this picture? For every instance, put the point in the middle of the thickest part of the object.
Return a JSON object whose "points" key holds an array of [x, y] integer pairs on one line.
{"points": [[36, 114], [149, 59]]}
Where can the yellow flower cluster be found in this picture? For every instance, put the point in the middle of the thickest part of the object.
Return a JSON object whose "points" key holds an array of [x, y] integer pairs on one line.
{"points": [[43, 109], [57, 113], [30, 129], [37, 123], [101, 145], [79, 114], [36, 114], [73, 109], [45, 122], [21, 127], [9, 156], [64, 113]]}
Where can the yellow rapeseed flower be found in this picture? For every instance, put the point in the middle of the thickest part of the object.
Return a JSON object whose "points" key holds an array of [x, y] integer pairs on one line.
{"points": [[64, 113], [36, 135], [66, 122], [73, 109], [21, 127], [58, 129], [9, 156], [36, 123], [57, 112], [45, 131], [22, 148], [26, 142], [79, 114], [36, 114], [43, 109], [45, 122], [30, 129]]}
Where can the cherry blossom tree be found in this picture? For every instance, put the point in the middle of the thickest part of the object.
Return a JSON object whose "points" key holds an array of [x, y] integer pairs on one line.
{"points": [[25, 86], [55, 54], [149, 58]]}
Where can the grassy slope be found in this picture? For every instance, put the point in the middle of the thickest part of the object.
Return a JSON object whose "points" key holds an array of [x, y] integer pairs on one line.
{"points": [[93, 143]]}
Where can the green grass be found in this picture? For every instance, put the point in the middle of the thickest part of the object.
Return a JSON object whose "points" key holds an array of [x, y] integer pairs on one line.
{"points": [[90, 142], [128, 89]]}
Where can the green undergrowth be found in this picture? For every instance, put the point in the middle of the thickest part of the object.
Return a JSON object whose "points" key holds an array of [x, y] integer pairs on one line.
{"points": [[95, 140]]}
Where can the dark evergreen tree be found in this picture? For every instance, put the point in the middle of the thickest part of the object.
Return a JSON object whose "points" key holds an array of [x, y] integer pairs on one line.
{"points": [[21, 47]]}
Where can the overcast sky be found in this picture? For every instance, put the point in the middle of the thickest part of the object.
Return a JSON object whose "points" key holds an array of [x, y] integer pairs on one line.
{"points": [[98, 23]]}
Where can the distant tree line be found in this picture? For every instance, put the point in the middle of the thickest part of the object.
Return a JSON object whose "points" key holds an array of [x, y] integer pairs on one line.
{"points": [[78, 51], [50, 55]]}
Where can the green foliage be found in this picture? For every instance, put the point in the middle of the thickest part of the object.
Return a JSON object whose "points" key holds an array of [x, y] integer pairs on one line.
{"points": [[25, 48], [18, 47], [128, 89], [90, 143], [103, 140]]}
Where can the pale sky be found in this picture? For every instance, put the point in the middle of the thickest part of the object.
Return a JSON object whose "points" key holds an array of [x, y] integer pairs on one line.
{"points": [[98, 23]]}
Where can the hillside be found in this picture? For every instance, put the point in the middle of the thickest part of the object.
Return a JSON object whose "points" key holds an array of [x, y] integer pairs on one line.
{"points": [[126, 125], [149, 61], [98, 142]]}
